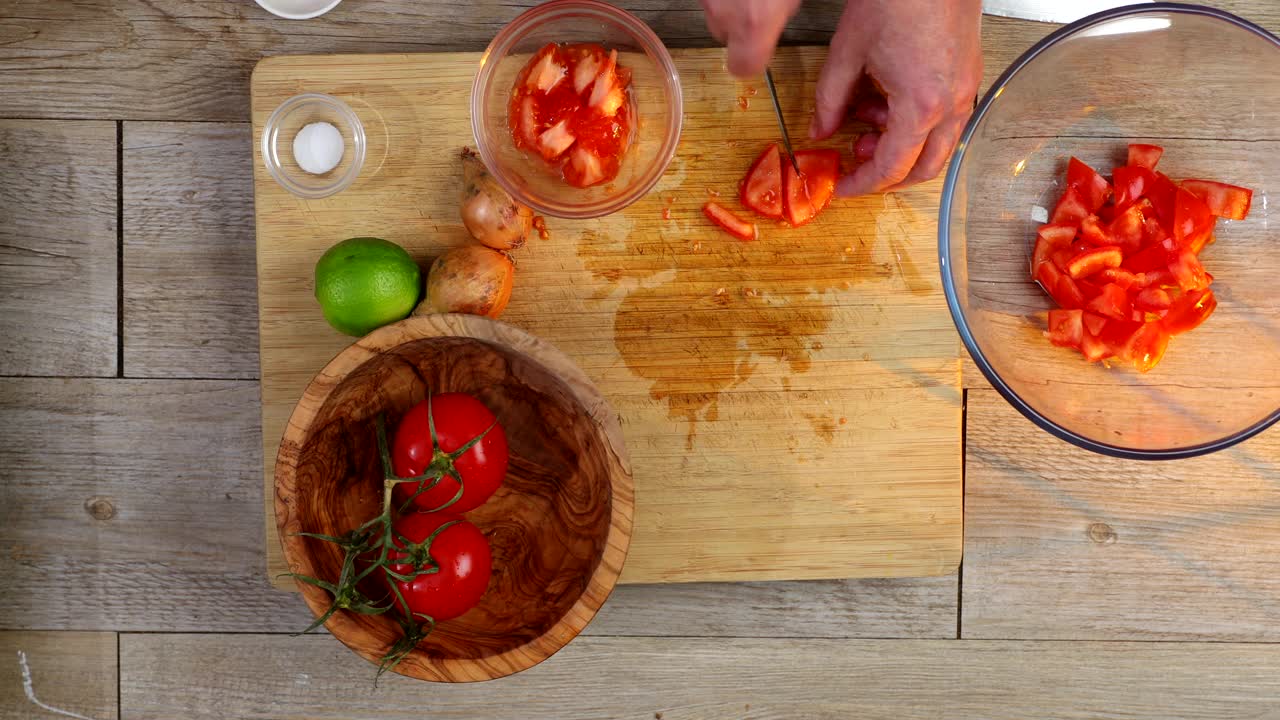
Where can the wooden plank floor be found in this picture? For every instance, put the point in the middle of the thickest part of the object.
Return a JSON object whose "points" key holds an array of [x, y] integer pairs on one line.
{"points": [[130, 527]]}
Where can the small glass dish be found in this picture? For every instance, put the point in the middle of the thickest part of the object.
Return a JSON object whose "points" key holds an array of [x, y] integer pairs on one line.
{"points": [[277, 144], [655, 94]]}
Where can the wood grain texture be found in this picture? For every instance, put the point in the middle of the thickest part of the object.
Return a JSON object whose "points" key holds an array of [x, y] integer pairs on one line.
{"points": [[190, 309], [145, 496], [683, 679], [795, 392], [558, 527], [57, 248], [1065, 544], [70, 672]]}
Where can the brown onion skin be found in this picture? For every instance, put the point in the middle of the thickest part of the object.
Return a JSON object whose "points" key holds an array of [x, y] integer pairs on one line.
{"points": [[488, 211], [474, 280]]}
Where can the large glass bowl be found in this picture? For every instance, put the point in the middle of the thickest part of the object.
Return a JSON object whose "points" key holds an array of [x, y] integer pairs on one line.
{"points": [[655, 96], [1205, 85]]}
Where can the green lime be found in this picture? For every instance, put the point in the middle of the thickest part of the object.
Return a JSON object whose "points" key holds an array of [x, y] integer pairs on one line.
{"points": [[365, 283]]}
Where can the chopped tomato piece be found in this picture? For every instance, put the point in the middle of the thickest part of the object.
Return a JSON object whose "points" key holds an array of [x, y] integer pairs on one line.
{"points": [[1092, 232], [1152, 258], [1112, 303], [1152, 300], [586, 71], [1126, 229], [584, 168], [1072, 208], [1060, 286], [1116, 336], [1066, 328], [1145, 156], [1093, 322], [1093, 348], [809, 194], [762, 188], [1087, 289], [1161, 193], [1093, 188], [1188, 271], [1189, 311], [1147, 346], [1152, 232], [606, 81], [1224, 201], [1121, 277], [732, 224], [555, 140], [1092, 261], [1131, 184], [547, 73], [1192, 221]]}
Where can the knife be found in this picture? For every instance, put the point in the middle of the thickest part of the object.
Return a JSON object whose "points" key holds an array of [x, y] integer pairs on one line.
{"points": [[1052, 11], [782, 124]]}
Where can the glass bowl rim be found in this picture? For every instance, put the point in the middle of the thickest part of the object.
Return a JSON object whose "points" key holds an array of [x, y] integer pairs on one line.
{"points": [[648, 39], [270, 139], [944, 236]]}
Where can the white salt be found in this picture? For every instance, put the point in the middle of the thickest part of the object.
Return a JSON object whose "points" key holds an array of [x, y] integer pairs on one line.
{"points": [[318, 148]]}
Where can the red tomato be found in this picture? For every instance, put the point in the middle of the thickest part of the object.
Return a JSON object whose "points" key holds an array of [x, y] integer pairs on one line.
{"points": [[1048, 239], [1152, 232], [1161, 193], [1188, 271], [1093, 188], [731, 223], [1060, 286], [809, 194], [460, 551], [762, 187], [1145, 156], [1224, 201], [1192, 221], [459, 419], [1152, 300], [1131, 184], [1189, 311], [1066, 328], [1092, 261], [1093, 348], [1116, 336], [1147, 346], [1127, 229], [1093, 323], [1092, 231], [1149, 259], [1121, 277], [1071, 209], [1112, 303]]}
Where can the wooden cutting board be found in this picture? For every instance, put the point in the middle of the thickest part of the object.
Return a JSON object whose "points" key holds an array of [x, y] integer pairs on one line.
{"points": [[791, 405]]}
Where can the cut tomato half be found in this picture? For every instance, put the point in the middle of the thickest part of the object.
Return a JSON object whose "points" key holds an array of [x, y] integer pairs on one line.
{"points": [[806, 196], [762, 188], [1223, 200], [731, 223]]}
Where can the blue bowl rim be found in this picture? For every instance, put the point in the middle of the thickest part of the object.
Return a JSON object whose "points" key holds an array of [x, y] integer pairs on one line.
{"points": [[944, 237]]}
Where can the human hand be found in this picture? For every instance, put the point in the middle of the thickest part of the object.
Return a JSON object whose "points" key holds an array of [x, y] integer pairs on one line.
{"points": [[750, 29], [926, 57]]}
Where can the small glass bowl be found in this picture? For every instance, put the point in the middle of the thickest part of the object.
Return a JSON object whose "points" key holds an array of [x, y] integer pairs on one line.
{"points": [[655, 92], [277, 144]]}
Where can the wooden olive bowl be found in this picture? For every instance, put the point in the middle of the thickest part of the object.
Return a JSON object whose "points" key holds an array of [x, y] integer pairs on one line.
{"points": [[558, 527]]}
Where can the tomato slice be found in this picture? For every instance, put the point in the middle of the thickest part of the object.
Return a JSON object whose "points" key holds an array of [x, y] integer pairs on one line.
{"points": [[1145, 156], [1189, 311], [1223, 200], [1152, 300], [1060, 286], [1146, 347], [1192, 221], [805, 197], [1188, 271], [1092, 231], [1131, 184], [1093, 188], [1071, 208], [1093, 323], [1121, 277], [762, 187], [1162, 192], [1113, 302], [1093, 261], [1066, 328], [731, 223], [1127, 229]]}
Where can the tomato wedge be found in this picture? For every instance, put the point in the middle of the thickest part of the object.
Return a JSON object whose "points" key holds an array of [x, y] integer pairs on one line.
{"points": [[1223, 200], [1060, 286], [1146, 347], [762, 188], [1145, 156], [1188, 271], [1192, 221], [1093, 188], [1066, 328], [1093, 322], [1071, 209], [1161, 193], [1092, 231], [807, 195], [1152, 300], [1131, 184], [1092, 261], [731, 223], [1189, 311], [1127, 229], [1050, 238], [1112, 303], [1093, 348]]}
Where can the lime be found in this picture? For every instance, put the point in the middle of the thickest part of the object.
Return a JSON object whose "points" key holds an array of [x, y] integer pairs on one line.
{"points": [[364, 283]]}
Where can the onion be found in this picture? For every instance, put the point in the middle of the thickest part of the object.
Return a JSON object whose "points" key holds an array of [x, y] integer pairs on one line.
{"points": [[491, 215], [474, 280]]}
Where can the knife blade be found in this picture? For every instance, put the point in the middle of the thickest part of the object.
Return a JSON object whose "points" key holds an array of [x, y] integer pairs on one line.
{"points": [[782, 124], [1052, 11]]}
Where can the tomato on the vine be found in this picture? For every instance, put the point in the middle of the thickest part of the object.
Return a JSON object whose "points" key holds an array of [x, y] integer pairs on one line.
{"points": [[460, 551], [459, 419]]}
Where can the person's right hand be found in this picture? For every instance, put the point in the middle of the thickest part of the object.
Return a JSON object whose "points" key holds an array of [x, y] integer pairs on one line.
{"points": [[750, 29]]}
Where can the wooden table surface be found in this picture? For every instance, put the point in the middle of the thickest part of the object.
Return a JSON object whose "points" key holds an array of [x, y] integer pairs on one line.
{"points": [[131, 551]]}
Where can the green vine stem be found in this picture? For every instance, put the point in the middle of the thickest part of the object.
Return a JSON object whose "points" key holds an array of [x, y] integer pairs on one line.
{"points": [[375, 540]]}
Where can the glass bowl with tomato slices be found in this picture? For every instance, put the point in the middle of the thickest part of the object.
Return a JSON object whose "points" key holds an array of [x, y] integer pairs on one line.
{"points": [[1104, 233], [577, 108]]}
